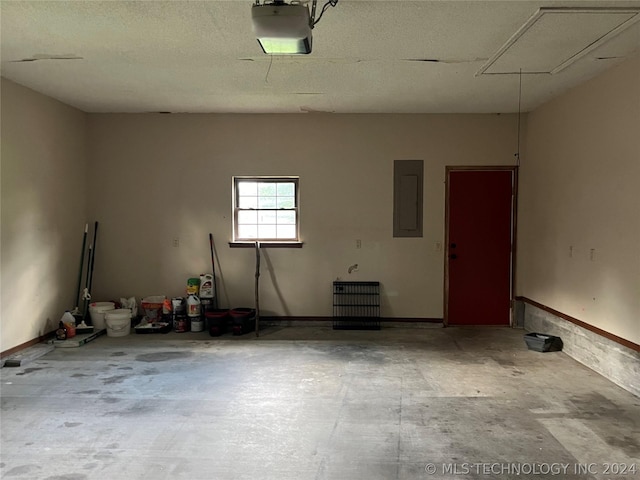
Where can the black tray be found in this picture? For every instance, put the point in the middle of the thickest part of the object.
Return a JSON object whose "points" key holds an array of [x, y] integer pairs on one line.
{"points": [[542, 342], [160, 327]]}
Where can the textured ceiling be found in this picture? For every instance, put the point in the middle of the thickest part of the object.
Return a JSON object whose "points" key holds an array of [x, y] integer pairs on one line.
{"points": [[368, 56]]}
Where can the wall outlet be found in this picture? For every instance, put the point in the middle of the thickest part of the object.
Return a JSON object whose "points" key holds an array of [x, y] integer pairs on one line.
{"points": [[438, 246], [358, 243], [176, 241]]}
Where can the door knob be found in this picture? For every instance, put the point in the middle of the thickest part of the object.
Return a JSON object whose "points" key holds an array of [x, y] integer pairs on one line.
{"points": [[453, 256]]}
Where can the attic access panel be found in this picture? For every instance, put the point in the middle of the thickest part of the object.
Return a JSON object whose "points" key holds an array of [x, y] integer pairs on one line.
{"points": [[554, 38]]}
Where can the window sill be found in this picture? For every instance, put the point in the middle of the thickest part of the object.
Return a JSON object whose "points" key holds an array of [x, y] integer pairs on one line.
{"points": [[266, 244]]}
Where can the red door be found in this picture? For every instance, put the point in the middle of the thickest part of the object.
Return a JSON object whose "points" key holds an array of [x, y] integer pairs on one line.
{"points": [[479, 239]]}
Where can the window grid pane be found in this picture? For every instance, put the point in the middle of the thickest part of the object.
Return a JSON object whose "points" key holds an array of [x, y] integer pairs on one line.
{"points": [[267, 189], [267, 202], [248, 202], [286, 189], [267, 217], [286, 232], [247, 217], [248, 231], [286, 218], [286, 202], [266, 231], [248, 189]]}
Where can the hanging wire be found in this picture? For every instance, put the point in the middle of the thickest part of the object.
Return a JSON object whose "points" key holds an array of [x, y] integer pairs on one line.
{"points": [[519, 115], [313, 21], [330, 3], [266, 77]]}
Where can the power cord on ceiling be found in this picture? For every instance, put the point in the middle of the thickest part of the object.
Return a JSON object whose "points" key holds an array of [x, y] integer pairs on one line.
{"points": [[266, 77], [519, 115], [330, 3]]}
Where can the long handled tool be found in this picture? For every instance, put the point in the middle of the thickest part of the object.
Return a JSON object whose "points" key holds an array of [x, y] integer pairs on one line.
{"points": [[93, 257], [76, 299], [86, 295], [213, 272], [257, 289]]}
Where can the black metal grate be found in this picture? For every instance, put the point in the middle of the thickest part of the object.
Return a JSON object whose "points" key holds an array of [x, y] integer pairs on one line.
{"points": [[356, 305]]}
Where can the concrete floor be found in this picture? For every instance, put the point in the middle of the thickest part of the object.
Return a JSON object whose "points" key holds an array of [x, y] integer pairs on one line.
{"points": [[313, 403]]}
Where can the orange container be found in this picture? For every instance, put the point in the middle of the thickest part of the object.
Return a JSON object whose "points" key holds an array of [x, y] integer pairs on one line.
{"points": [[71, 330], [152, 307]]}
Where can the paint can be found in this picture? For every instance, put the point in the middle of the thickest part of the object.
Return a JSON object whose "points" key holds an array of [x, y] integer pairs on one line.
{"points": [[197, 324], [181, 323]]}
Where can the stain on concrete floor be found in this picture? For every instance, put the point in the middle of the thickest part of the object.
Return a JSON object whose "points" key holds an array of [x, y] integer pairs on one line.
{"points": [[309, 404]]}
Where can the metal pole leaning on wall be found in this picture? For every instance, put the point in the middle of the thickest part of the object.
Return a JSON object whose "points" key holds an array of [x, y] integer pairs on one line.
{"points": [[93, 257], [257, 289], [86, 295], [76, 300], [213, 272]]}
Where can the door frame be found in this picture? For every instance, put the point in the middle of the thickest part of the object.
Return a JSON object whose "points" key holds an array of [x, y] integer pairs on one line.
{"points": [[514, 230]]}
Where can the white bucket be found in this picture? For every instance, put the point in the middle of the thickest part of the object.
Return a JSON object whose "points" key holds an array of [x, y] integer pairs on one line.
{"points": [[118, 322], [97, 311]]}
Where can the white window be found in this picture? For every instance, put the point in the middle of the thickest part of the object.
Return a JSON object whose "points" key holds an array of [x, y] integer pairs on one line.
{"points": [[265, 209]]}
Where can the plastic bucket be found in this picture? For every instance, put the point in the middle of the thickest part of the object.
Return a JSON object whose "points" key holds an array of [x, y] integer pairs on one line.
{"points": [[243, 320], [97, 311], [215, 317], [152, 307], [242, 313], [118, 322]]}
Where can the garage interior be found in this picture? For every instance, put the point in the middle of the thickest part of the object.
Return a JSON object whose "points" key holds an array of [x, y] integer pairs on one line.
{"points": [[140, 114]]}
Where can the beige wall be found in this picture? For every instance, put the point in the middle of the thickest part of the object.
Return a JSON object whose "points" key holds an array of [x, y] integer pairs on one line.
{"points": [[151, 178], [155, 177], [580, 188], [43, 211]]}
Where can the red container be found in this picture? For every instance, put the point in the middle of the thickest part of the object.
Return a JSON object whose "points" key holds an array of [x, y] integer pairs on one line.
{"points": [[71, 330], [214, 317], [243, 320], [242, 313]]}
